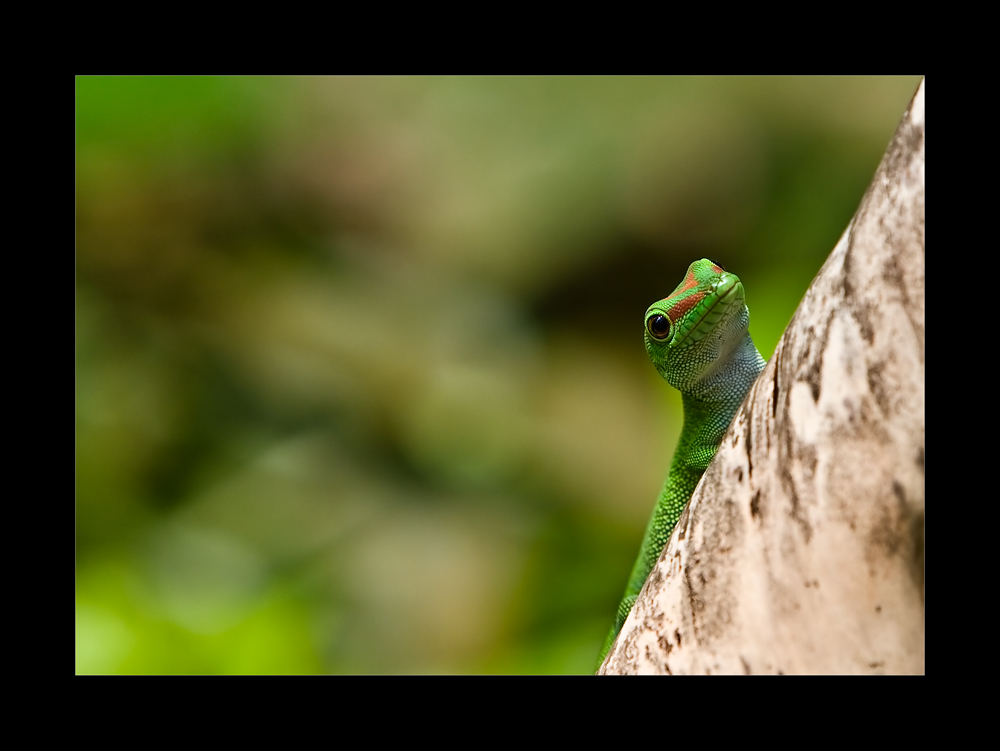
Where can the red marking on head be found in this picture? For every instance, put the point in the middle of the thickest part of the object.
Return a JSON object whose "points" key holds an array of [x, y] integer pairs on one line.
{"points": [[679, 309], [716, 269], [689, 283]]}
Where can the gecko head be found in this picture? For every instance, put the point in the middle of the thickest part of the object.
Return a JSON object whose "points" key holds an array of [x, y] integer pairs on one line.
{"points": [[697, 324]]}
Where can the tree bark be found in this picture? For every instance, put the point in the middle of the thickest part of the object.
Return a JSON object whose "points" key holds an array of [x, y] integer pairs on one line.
{"points": [[802, 549]]}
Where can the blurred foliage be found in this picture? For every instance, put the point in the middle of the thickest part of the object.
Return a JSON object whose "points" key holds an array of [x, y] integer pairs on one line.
{"points": [[360, 383]]}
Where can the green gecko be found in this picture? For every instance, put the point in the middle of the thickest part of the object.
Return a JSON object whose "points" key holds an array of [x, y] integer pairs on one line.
{"points": [[698, 338]]}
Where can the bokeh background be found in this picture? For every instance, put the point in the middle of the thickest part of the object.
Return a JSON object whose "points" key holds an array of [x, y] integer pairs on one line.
{"points": [[360, 382]]}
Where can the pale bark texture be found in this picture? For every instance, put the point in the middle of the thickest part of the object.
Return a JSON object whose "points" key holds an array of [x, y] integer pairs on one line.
{"points": [[802, 549]]}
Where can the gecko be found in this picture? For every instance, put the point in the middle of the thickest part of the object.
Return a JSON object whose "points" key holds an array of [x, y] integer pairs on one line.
{"points": [[698, 339]]}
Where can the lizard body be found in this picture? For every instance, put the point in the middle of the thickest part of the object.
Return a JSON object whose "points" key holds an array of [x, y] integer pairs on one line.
{"points": [[698, 339]]}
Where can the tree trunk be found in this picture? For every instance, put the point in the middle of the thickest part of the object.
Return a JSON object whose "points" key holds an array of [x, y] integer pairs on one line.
{"points": [[802, 549]]}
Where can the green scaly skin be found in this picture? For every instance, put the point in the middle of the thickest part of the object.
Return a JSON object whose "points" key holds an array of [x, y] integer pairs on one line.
{"points": [[698, 339]]}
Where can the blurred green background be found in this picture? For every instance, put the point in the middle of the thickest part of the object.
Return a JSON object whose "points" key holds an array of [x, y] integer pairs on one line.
{"points": [[360, 381]]}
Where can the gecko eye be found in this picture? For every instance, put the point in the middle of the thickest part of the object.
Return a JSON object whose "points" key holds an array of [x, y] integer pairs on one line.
{"points": [[658, 326], [717, 264]]}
